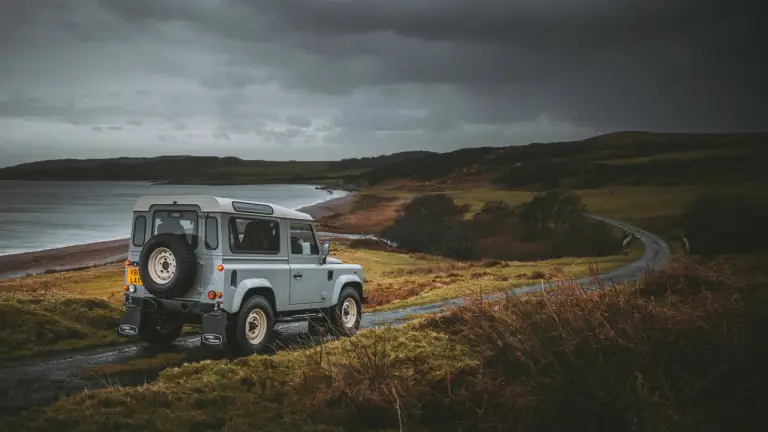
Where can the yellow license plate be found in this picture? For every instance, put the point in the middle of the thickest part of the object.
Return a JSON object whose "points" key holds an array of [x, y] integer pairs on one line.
{"points": [[134, 278]]}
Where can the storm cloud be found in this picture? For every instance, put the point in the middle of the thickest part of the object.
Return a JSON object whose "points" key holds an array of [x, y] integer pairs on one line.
{"points": [[326, 79]]}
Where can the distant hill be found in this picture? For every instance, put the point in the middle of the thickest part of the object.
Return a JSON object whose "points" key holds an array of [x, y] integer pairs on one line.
{"points": [[622, 158], [201, 169]]}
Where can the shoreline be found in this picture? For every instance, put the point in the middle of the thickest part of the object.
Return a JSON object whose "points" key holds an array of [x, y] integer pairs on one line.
{"points": [[107, 252]]}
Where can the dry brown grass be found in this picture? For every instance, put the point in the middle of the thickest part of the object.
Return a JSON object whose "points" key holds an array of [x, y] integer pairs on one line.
{"points": [[75, 309], [46, 322], [617, 359], [409, 286], [61, 311], [368, 214]]}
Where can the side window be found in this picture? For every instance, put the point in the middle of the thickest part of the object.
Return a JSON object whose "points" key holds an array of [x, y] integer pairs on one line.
{"points": [[303, 239], [139, 231], [177, 222], [211, 233], [258, 236]]}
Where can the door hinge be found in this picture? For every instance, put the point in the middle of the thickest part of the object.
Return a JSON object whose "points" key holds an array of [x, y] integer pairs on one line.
{"points": [[323, 295]]}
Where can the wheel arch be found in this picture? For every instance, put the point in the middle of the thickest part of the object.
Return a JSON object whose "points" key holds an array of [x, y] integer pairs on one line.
{"points": [[249, 288], [347, 281]]}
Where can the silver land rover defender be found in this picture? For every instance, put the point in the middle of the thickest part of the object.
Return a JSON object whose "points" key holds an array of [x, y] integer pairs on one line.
{"points": [[235, 268]]}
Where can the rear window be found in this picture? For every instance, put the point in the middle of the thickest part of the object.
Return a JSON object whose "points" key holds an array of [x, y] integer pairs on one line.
{"points": [[211, 233], [255, 236], [182, 222], [139, 231]]}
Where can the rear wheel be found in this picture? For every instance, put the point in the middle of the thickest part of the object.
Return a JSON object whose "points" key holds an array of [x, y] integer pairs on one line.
{"points": [[254, 329], [157, 332], [346, 314]]}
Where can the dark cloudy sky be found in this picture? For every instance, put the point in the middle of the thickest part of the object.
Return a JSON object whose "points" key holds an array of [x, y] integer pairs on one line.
{"points": [[316, 79]]}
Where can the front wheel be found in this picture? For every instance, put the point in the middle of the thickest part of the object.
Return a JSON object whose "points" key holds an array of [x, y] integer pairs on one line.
{"points": [[346, 314], [255, 324]]}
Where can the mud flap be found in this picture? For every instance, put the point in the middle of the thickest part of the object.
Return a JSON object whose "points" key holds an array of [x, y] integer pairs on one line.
{"points": [[214, 332], [128, 327]]}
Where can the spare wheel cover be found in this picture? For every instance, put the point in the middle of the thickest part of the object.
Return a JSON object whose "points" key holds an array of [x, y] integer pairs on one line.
{"points": [[167, 265]]}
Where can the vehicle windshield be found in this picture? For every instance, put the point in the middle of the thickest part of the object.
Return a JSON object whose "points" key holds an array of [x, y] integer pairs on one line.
{"points": [[177, 222]]}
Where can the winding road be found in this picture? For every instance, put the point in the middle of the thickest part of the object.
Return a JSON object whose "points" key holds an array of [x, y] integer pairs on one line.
{"points": [[35, 382]]}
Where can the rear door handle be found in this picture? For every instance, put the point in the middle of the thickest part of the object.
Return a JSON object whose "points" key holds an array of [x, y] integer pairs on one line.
{"points": [[297, 275]]}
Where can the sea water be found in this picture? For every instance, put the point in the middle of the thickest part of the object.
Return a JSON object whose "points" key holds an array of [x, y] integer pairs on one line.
{"points": [[46, 214]]}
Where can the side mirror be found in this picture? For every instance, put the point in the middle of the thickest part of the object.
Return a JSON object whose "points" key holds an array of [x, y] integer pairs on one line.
{"points": [[325, 249]]}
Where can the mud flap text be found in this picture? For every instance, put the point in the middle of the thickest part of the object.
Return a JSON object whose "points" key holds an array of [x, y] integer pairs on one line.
{"points": [[214, 330]]}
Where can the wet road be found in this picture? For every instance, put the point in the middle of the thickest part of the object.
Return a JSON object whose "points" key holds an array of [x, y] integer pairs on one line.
{"points": [[35, 382]]}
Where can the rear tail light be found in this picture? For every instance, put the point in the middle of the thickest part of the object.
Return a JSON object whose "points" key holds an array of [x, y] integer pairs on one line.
{"points": [[211, 295]]}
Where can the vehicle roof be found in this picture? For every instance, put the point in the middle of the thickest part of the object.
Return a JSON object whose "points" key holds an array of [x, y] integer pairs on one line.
{"points": [[212, 204]]}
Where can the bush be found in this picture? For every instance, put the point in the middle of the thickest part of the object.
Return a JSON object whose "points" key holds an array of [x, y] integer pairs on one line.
{"points": [[717, 225], [553, 210], [429, 224], [551, 225]]}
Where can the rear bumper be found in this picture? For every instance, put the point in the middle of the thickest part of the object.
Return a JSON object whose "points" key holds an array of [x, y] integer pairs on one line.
{"points": [[191, 307], [213, 321]]}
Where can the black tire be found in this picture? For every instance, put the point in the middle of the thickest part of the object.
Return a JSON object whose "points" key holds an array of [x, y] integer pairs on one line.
{"points": [[158, 333], [242, 345], [186, 265], [337, 313]]}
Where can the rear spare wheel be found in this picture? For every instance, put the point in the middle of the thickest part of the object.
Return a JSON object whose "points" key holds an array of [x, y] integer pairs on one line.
{"points": [[167, 265]]}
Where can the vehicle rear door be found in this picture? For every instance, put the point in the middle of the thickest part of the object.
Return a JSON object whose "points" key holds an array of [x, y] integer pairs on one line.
{"points": [[186, 221]]}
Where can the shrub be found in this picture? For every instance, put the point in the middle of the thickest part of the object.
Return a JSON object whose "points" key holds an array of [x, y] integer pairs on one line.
{"points": [[429, 224], [725, 225], [551, 225], [553, 210]]}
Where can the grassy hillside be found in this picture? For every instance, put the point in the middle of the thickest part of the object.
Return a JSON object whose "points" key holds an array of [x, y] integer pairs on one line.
{"points": [[48, 313], [616, 159], [680, 353]]}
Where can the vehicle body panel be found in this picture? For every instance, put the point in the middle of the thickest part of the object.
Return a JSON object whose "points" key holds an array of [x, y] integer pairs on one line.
{"points": [[245, 268]]}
